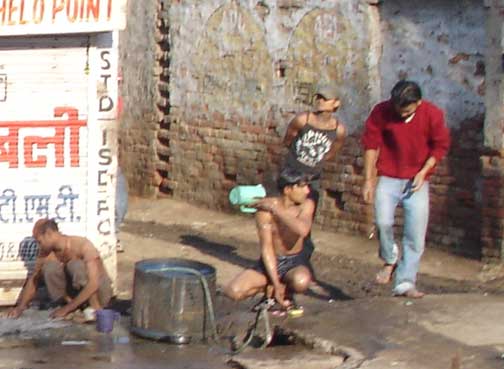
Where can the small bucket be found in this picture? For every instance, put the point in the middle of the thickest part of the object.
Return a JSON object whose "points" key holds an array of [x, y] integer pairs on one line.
{"points": [[105, 320], [246, 195]]}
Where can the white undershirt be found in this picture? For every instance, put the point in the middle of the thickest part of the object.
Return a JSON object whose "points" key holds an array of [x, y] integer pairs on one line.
{"points": [[407, 120]]}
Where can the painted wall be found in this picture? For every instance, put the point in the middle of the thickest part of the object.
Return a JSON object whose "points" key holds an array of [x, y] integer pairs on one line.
{"points": [[261, 60], [238, 71], [58, 148], [441, 45]]}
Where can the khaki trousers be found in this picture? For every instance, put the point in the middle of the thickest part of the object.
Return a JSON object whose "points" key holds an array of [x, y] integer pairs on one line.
{"points": [[69, 279]]}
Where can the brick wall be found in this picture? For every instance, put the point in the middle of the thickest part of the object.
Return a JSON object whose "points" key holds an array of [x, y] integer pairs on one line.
{"points": [[144, 106], [231, 75], [492, 162], [208, 159], [455, 222]]}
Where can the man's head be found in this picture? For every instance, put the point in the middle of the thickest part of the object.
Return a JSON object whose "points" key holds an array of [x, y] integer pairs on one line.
{"points": [[44, 232], [294, 185], [406, 97], [326, 99]]}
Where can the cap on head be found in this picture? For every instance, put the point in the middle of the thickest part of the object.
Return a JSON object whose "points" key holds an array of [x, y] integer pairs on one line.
{"points": [[327, 91]]}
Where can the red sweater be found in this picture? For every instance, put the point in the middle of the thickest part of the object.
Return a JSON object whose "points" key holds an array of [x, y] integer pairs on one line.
{"points": [[405, 147]]}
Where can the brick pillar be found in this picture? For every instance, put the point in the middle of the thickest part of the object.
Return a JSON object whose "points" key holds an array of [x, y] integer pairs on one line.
{"points": [[492, 187], [492, 207]]}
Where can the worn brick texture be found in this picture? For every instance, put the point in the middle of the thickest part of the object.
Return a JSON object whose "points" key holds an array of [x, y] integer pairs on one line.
{"points": [[229, 75], [143, 60], [492, 209], [216, 158]]}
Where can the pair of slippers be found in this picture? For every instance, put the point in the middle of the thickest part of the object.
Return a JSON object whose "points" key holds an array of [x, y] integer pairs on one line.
{"points": [[275, 309], [293, 310]]}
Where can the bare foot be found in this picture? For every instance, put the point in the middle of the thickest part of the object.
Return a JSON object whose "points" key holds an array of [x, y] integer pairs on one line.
{"points": [[384, 276], [412, 293]]}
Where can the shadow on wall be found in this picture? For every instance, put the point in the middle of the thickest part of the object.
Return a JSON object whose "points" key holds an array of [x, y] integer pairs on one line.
{"points": [[456, 208], [455, 219]]}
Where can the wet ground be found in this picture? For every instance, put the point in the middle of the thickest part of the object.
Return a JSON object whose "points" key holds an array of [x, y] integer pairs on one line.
{"points": [[345, 277], [34, 342], [105, 351], [361, 326]]}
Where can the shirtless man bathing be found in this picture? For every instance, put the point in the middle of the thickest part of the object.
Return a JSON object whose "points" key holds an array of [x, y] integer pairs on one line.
{"points": [[282, 222]]}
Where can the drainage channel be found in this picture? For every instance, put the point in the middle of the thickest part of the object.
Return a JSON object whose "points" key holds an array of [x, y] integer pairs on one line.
{"points": [[293, 350]]}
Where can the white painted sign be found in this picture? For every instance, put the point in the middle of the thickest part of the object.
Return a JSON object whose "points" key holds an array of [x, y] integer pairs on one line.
{"points": [[58, 151], [37, 17]]}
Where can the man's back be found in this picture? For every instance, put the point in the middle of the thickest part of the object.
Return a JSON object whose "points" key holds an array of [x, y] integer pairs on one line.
{"points": [[80, 248]]}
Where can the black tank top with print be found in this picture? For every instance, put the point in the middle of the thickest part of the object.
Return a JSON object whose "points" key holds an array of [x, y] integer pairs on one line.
{"points": [[307, 150]]}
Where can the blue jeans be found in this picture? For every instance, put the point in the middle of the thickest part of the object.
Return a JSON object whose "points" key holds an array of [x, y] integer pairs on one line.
{"points": [[389, 193]]}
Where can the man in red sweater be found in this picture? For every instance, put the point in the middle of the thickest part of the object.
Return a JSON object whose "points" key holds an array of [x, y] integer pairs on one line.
{"points": [[404, 138]]}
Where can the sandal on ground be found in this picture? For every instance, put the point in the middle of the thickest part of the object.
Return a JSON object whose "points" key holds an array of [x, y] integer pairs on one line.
{"points": [[384, 276], [278, 310], [295, 311]]}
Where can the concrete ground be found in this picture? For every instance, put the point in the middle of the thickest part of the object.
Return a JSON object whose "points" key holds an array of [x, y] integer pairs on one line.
{"points": [[458, 325]]}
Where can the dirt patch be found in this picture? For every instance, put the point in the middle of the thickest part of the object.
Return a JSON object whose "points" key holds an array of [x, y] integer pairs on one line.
{"points": [[345, 277]]}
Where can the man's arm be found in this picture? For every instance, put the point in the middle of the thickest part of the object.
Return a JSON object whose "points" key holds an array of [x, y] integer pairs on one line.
{"points": [[439, 142], [264, 223], [29, 290], [371, 141], [370, 157], [337, 144], [294, 127], [300, 225], [419, 179], [91, 258]]}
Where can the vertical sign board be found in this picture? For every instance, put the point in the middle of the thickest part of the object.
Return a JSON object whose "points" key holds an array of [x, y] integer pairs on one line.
{"points": [[58, 127], [102, 179]]}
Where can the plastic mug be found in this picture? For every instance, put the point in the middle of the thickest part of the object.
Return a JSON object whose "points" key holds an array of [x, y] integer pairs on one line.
{"points": [[105, 320], [244, 195]]}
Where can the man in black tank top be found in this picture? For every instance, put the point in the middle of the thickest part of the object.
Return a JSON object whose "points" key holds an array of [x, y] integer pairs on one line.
{"points": [[312, 138]]}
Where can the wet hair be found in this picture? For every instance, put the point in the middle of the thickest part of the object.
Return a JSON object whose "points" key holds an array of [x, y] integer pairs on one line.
{"points": [[290, 177], [43, 225], [405, 93]]}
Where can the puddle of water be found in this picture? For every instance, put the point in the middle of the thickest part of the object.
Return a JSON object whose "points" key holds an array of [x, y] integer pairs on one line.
{"points": [[106, 351]]}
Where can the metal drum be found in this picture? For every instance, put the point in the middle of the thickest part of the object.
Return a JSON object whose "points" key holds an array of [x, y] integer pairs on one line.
{"points": [[169, 300]]}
